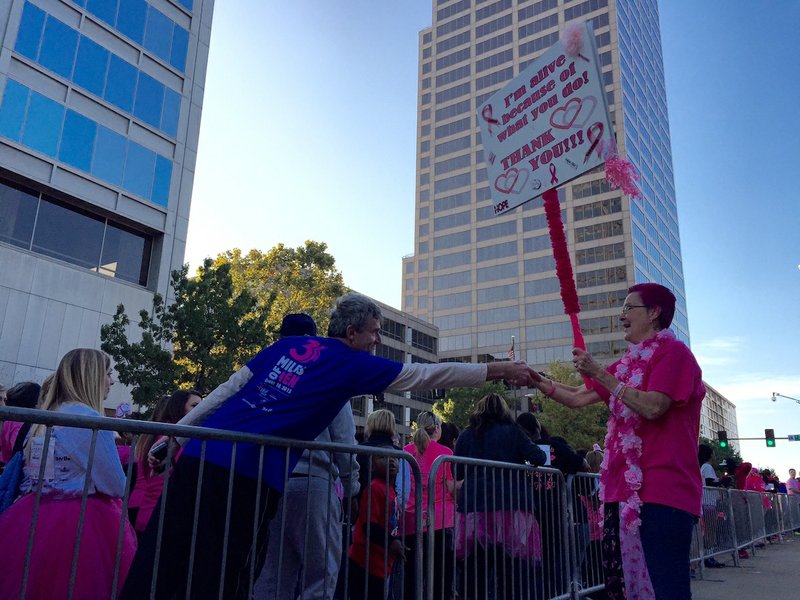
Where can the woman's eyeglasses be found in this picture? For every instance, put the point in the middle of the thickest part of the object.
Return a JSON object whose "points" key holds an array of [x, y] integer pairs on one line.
{"points": [[627, 307]]}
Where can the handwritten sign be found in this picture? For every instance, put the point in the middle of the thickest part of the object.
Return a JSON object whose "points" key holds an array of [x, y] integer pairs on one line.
{"points": [[547, 126]]}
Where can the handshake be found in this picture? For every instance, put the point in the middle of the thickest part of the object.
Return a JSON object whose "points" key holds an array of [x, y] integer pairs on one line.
{"points": [[518, 373]]}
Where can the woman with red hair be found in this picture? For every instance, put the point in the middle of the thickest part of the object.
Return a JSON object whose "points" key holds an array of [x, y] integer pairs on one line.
{"points": [[649, 482]]}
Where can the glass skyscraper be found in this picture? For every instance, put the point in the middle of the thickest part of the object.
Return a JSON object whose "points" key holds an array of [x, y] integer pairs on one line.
{"points": [[483, 278], [100, 104]]}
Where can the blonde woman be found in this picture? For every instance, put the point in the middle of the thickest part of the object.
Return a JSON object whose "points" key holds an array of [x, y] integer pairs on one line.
{"points": [[80, 385], [425, 448]]}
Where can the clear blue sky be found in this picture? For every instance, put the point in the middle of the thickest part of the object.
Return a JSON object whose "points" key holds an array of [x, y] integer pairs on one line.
{"points": [[309, 129]]}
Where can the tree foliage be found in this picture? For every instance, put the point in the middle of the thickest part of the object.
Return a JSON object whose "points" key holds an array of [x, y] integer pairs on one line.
{"points": [[146, 366], [459, 402], [581, 427], [287, 280], [212, 329], [217, 329]]}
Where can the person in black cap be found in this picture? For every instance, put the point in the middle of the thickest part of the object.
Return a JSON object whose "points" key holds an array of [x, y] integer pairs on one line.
{"points": [[308, 537], [297, 324]]}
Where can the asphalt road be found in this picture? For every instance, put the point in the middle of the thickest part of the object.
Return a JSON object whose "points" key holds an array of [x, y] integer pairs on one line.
{"points": [[771, 572]]}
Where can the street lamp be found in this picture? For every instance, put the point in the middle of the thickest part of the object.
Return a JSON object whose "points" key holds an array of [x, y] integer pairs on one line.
{"points": [[776, 394]]}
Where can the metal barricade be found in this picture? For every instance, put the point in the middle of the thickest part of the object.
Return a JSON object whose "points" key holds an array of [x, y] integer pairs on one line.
{"points": [[792, 522], [756, 506], [587, 513], [209, 538], [511, 532], [715, 533], [740, 510]]}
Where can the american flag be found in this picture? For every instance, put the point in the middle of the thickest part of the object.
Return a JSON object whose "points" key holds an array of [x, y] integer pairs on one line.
{"points": [[511, 354]]}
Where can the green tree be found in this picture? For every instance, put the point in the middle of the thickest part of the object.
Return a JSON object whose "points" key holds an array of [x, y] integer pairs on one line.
{"points": [[212, 329], [580, 427], [217, 329], [146, 366], [287, 280], [459, 402]]}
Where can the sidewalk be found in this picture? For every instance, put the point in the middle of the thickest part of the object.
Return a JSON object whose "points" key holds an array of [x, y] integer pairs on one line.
{"points": [[771, 573]]}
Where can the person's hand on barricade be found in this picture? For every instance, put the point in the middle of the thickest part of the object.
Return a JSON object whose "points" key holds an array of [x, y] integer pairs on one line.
{"points": [[157, 456], [397, 550]]}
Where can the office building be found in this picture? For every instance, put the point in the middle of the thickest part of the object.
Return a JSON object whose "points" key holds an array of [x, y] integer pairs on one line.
{"points": [[481, 278], [100, 104], [718, 414]]}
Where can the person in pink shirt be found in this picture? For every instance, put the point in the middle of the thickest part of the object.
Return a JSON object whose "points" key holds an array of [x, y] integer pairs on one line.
{"points": [[425, 448], [22, 395], [649, 482], [792, 486], [150, 477]]}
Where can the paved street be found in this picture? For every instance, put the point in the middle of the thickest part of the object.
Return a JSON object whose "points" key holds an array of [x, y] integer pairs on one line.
{"points": [[771, 573]]}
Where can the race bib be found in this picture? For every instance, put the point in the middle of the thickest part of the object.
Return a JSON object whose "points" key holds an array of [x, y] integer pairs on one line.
{"points": [[35, 461]]}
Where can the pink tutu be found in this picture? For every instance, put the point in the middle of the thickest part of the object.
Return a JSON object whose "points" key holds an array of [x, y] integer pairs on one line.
{"points": [[517, 532], [54, 547]]}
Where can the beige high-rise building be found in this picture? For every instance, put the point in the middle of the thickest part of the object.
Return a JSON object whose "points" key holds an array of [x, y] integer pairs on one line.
{"points": [[482, 278], [719, 414]]}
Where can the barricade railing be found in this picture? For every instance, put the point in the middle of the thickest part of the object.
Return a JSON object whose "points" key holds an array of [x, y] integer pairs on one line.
{"points": [[239, 509], [512, 534], [587, 566], [519, 532]]}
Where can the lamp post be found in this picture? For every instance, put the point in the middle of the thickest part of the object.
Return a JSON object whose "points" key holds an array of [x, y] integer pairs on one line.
{"points": [[775, 396]]}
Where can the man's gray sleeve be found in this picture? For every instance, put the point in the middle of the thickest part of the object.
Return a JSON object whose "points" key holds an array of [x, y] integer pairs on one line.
{"points": [[419, 376], [343, 431], [215, 399]]}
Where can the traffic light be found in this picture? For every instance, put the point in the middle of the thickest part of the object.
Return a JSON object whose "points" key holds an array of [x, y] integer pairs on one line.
{"points": [[770, 435], [722, 438]]}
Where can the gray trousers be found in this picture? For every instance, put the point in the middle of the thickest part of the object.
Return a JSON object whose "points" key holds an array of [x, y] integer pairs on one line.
{"points": [[305, 546]]}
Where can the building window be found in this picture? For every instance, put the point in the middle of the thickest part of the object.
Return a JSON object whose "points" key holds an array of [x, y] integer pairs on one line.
{"points": [[423, 341], [598, 231], [46, 226], [37, 122]]}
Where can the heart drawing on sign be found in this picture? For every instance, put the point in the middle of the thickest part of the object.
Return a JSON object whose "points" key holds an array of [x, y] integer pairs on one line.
{"points": [[575, 113], [512, 181]]}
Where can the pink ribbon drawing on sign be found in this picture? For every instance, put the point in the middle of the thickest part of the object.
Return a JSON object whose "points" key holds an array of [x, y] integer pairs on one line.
{"points": [[553, 178], [566, 117], [595, 134], [486, 113], [512, 181]]}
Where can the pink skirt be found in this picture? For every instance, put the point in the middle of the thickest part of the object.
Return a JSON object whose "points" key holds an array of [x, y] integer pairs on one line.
{"points": [[54, 546], [517, 532]]}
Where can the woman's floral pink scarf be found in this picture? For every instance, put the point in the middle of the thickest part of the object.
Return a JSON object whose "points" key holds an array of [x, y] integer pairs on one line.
{"points": [[622, 437]]}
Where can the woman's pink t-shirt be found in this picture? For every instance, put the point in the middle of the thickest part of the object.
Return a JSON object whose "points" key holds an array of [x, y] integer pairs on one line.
{"points": [[7, 439], [669, 443], [444, 501]]}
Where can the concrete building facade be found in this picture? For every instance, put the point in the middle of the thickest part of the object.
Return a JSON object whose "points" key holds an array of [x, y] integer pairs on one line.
{"points": [[100, 104], [719, 414], [482, 278]]}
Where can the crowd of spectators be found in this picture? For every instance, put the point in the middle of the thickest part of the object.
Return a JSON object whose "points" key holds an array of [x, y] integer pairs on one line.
{"points": [[347, 519]]}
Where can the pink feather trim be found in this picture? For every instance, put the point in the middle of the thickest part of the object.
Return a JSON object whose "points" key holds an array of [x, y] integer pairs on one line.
{"points": [[620, 174], [572, 39]]}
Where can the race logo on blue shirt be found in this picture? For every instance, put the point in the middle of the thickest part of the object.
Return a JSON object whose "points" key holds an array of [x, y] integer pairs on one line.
{"points": [[287, 371]]}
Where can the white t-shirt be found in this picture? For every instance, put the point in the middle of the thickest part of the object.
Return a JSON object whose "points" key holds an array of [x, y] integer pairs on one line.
{"points": [[707, 472]]}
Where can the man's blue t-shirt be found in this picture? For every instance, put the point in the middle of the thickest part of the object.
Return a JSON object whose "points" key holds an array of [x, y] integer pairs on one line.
{"points": [[299, 385]]}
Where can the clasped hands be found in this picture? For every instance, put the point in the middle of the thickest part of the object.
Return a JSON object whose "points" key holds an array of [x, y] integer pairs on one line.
{"points": [[521, 375]]}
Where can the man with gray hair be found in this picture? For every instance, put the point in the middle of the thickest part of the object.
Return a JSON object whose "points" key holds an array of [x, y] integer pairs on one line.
{"points": [[292, 389], [305, 543]]}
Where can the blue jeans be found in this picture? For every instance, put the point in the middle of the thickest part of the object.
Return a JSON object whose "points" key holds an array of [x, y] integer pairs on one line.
{"points": [[666, 539]]}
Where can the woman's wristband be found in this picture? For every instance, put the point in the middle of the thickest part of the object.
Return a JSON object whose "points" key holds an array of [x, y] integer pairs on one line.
{"points": [[619, 389], [549, 393]]}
